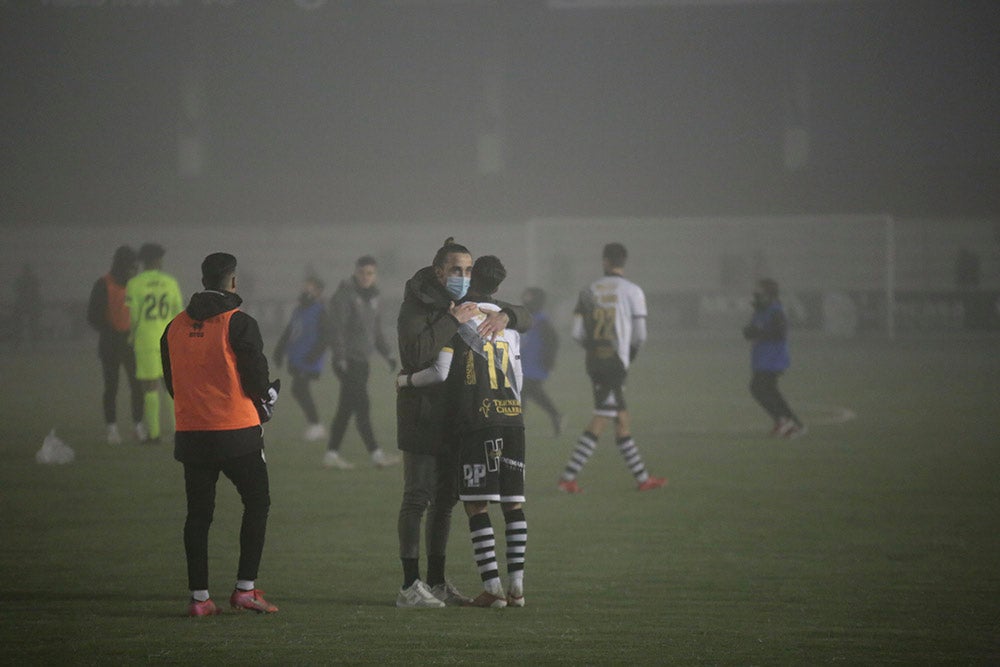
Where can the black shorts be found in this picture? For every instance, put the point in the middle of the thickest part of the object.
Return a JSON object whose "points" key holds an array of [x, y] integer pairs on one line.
{"points": [[608, 380], [492, 465]]}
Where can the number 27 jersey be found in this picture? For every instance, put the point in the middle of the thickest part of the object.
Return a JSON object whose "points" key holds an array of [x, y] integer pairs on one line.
{"points": [[154, 298]]}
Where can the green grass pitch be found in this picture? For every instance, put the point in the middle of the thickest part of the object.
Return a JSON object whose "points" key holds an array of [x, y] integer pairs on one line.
{"points": [[872, 540]]}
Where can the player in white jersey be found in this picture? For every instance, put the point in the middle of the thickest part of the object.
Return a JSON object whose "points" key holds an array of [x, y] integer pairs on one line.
{"points": [[610, 324], [484, 399]]}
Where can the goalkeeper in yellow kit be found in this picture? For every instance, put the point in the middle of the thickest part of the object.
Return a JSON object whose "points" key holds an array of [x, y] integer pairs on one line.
{"points": [[154, 298]]}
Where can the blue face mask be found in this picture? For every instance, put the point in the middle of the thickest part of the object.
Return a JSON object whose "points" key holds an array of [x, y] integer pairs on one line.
{"points": [[457, 286]]}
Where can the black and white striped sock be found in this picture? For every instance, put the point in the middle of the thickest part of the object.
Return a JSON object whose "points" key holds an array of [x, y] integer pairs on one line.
{"points": [[516, 536], [584, 449], [633, 459], [484, 551]]}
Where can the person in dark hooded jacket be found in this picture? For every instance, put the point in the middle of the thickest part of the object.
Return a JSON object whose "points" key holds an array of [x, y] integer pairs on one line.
{"points": [[304, 342], [109, 316], [428, 318], [215, 370]]}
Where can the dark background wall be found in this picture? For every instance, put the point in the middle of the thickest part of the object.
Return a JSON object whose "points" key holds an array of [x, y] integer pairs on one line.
{"points": [[375, 110]]}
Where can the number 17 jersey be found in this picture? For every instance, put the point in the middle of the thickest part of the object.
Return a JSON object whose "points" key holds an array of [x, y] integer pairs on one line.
{"points": [[487, 377]]}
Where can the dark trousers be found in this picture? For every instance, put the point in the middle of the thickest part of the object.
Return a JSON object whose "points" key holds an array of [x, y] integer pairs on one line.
{"points": [[353, 401], [249, 474], [430, 484], [535, 390], [115, 354], [764, 389], [302, 393]]}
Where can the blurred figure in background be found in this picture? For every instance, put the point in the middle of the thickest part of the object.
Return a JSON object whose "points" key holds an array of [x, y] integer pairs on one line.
{"points": [[304, 343], [153, 298], [356, 332], [538, 356], [27, 311], [610, 324], [769, 357], [108, 314]]}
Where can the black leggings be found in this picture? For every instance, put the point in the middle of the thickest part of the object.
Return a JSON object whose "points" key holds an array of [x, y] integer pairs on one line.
{"points": [[764, 389], [302, 394], [249, 474], [114, 354], [535, 390], [353, 401]]}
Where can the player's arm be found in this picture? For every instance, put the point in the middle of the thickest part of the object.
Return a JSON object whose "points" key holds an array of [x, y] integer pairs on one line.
{"points": [[168, 376], [519, 317], [177, 301], [433, 374], [97, 306], [583, 311], [420, 340], [132, 301], [248, 346], [638, 338]]}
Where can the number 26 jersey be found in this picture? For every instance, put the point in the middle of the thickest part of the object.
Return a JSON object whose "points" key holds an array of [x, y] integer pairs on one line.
{"points": [[153, 298]]}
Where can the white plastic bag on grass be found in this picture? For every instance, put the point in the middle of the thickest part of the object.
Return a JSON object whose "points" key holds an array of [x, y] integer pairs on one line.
{"points": [[54, 450]]}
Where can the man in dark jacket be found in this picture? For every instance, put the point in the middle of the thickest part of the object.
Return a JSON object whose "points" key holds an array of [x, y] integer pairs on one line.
{"points": [[109, 316], [215, 370], [356, 332], [428, 318]]}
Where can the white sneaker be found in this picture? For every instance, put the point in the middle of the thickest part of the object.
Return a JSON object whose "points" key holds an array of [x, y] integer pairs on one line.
{"points": [[141, 434], [449, 595], [417, 596], [314, 432], [797, 431], [114, 437], [333, 459], [784, 427], [383, 460], [515, 595]]}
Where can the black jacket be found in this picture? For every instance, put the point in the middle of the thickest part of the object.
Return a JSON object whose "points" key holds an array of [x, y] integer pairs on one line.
{"points": [[248, 347], [356, 323], [425, 326]]}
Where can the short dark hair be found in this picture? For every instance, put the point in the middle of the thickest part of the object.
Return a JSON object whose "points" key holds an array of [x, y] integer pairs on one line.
{"points": [[216, 268], [315, 281], [150, 252], [487, 274], [449, 247], [616, 254], [769, 286], [365, 260], [534, 298]]}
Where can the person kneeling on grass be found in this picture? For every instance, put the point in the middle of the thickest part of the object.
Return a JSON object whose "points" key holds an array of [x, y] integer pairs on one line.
{"points": [[484, 380]]}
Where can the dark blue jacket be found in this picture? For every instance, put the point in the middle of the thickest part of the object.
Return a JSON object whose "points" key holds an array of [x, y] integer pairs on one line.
{"points": [[768, 330], [304, 340], [538, 348]]}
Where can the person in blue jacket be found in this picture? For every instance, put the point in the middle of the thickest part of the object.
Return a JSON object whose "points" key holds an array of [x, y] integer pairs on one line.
{"points": [[768, 331], [303, 344], [538, 356]]}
